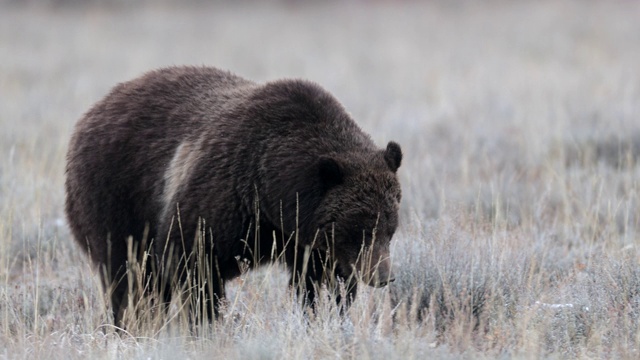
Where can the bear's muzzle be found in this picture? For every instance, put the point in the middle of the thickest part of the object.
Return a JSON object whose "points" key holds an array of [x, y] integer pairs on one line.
{"points": [[374, 267]]}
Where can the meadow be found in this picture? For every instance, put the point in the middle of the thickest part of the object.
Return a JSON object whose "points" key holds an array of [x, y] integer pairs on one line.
{"points": [[520, 220]]}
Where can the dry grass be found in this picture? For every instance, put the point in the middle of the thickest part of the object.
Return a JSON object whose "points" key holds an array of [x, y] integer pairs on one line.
{"points": [[520, 124]]}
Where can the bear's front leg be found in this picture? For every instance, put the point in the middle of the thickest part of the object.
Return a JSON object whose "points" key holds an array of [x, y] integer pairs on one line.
{"points": [[307, 274], [346, 289], [310, 270]]}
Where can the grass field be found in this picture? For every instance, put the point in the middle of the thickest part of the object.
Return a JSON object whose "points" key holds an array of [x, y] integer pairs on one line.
{"points": [[520, 222]]}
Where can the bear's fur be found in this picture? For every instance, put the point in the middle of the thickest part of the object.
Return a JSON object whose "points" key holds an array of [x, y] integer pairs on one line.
{"points": [[252, 170]]}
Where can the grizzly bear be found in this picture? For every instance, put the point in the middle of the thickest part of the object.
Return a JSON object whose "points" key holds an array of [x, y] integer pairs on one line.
{"points": [[190, 165]]}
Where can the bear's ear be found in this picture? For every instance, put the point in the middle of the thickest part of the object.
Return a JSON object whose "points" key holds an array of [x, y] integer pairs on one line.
{"points": [[330, 172], [393, 155]]}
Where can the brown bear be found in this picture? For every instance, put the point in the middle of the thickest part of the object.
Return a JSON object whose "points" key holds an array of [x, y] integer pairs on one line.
{"points": [[189, 163]]}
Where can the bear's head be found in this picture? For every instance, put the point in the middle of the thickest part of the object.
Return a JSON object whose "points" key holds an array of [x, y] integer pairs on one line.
{"points": [[358, 214]]}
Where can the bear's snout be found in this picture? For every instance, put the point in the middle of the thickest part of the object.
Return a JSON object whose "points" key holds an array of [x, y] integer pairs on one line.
{"points": [[375, 267]]}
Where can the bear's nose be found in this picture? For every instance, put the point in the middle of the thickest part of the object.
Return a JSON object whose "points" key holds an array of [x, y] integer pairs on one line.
{"points": [[383, 283]]}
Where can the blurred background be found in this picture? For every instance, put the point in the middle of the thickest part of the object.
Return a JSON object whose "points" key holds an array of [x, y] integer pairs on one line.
{"points": [[446, 79], [519, 121]]}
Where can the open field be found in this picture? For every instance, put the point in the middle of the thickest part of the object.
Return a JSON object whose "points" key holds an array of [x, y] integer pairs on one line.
{"points": [[520, 222]]}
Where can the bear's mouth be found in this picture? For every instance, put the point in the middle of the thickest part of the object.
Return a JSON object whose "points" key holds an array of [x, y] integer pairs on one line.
{"points": [[373, 267]]}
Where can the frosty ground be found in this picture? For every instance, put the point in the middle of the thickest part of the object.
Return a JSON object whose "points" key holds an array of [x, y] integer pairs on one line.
{"points": [[520, 124]]}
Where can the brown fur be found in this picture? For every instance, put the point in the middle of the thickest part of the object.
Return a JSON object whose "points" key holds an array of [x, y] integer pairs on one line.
{"points": [[251, 161]]}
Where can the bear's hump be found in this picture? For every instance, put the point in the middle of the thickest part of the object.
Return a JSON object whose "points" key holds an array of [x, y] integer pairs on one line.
{"points": [[296, 99]]}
